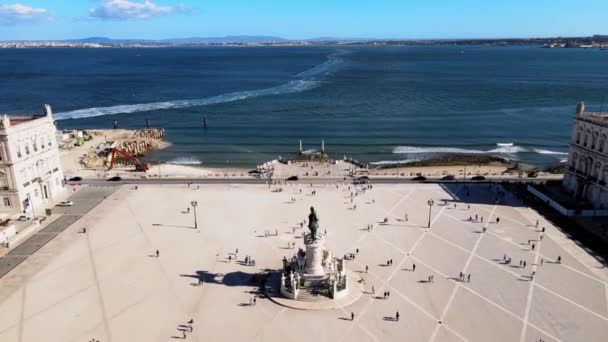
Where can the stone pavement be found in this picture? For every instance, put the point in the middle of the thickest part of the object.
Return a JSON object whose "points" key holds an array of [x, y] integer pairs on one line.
{"points": [[108, 284]]}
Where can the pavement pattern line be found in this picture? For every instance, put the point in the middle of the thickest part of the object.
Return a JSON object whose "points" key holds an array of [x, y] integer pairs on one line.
{"points": [[102, 305], [22, 313], [530, 294], [489, 301], [464, 270], [409, 300], [368, 304], [534, 265], [538, 243]]}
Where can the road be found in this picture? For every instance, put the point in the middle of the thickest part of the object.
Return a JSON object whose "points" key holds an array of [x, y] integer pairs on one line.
{"points": [[84, 201]]}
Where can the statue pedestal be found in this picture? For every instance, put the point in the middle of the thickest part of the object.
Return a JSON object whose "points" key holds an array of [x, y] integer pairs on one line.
{"points": [[314, 256]]}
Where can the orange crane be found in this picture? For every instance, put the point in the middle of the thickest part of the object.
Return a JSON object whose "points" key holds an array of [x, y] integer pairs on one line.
{"points": [[139, 166]]}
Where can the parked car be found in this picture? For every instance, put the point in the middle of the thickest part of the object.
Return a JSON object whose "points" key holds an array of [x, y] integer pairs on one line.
{"points": [[75, 179], [115, 179], [419, 178], [448, 178], [361, 180], [292, 178], [65, 204], [478, 178]]}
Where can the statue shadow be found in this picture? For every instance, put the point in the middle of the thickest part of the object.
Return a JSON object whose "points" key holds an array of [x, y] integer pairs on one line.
{"points": [[232, 279]]}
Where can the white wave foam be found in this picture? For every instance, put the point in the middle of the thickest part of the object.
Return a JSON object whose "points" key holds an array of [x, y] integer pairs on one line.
{"points": [[185, 161], [537, 150], [393, 162], [308, 80], [419, 150], [504, 148], [512, 149]]}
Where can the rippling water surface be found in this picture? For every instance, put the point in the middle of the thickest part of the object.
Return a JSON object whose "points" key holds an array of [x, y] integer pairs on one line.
{"points": [[380, 104]]}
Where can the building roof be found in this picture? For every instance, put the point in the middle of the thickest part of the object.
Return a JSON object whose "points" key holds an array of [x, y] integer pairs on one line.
{"points": [[594, 117]]}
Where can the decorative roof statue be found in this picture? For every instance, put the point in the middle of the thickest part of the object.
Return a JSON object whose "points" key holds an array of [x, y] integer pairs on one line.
{"points": [[313, 224], [580, 108]]}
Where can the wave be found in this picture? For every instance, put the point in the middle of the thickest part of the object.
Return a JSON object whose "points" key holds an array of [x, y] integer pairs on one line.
{"points": [[537, 150], [422, 150], [185, 161], [309, 79], [503, 148]]}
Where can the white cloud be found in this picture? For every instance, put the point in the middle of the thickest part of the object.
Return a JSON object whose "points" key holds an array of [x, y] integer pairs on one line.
{"points": [[125, 10], [18, 13]]}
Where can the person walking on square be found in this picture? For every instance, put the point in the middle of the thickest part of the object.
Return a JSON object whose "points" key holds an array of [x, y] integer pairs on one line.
{"points": [[524, 263], [413, 267], [352, 316], [157, 253], [533, 246], [366, 268], [559, 259], [397, 316], [469, 278]]}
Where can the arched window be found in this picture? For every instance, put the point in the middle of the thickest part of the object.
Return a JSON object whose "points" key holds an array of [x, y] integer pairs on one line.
{"points": [[586, 141], [596, 170], [594, 140], [574, 160], [602, 143]]}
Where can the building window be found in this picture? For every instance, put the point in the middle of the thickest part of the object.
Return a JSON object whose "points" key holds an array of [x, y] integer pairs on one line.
{"points": [[7, 201]]}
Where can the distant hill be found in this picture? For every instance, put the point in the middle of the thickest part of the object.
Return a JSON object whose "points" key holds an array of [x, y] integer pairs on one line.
{"points": [[191, 40]]}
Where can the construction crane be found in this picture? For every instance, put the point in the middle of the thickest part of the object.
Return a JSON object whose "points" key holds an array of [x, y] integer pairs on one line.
{"points": [[139, 166]]}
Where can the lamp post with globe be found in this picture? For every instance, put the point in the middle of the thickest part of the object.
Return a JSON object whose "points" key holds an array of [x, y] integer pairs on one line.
{"points": [[194, 204], [430, 203]]}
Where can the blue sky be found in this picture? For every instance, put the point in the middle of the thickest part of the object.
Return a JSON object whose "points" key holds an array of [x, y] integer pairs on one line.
{"points": [[156, 19]]}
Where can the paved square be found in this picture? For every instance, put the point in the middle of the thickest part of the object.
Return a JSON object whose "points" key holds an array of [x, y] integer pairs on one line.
{"points": [[108, 284]]}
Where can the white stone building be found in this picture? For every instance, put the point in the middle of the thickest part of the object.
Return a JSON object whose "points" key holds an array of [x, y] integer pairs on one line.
{"points": [[31, 178], [587, 173]]}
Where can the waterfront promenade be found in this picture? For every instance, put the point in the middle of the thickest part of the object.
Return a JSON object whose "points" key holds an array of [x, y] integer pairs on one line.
{"points": [[109, 284]]}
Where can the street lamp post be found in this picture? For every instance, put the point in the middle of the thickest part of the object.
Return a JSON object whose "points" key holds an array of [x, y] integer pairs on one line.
{"points": [[430, 203], [194, 204]]}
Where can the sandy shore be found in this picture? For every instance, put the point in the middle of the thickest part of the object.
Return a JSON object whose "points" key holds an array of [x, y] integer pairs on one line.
{"points": [[71, 161]]}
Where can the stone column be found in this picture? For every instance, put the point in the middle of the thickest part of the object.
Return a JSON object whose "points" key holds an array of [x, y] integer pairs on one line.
{"points": [[314, 256]]}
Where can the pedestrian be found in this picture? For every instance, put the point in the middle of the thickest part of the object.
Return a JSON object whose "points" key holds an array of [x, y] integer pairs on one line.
{"points": [[469, 278], [524, 263], [542, 261], [559, 259], [357, 250], [388, 293], [429, 279], [536, 223], [254, 301], [352, 316], [388, 262], [469, 207], [541, 237], [397, 316], [543, 229], [384, 294], [373, 290], [413, 267], [533, 246], [84, 230], [476, 217], [391, 262], [230, 258], [520, 263], [482, 219], [528, 242], [497, 220], [190, 322], [157, 253], [460, 275], [366, 268], [406, 218]]}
